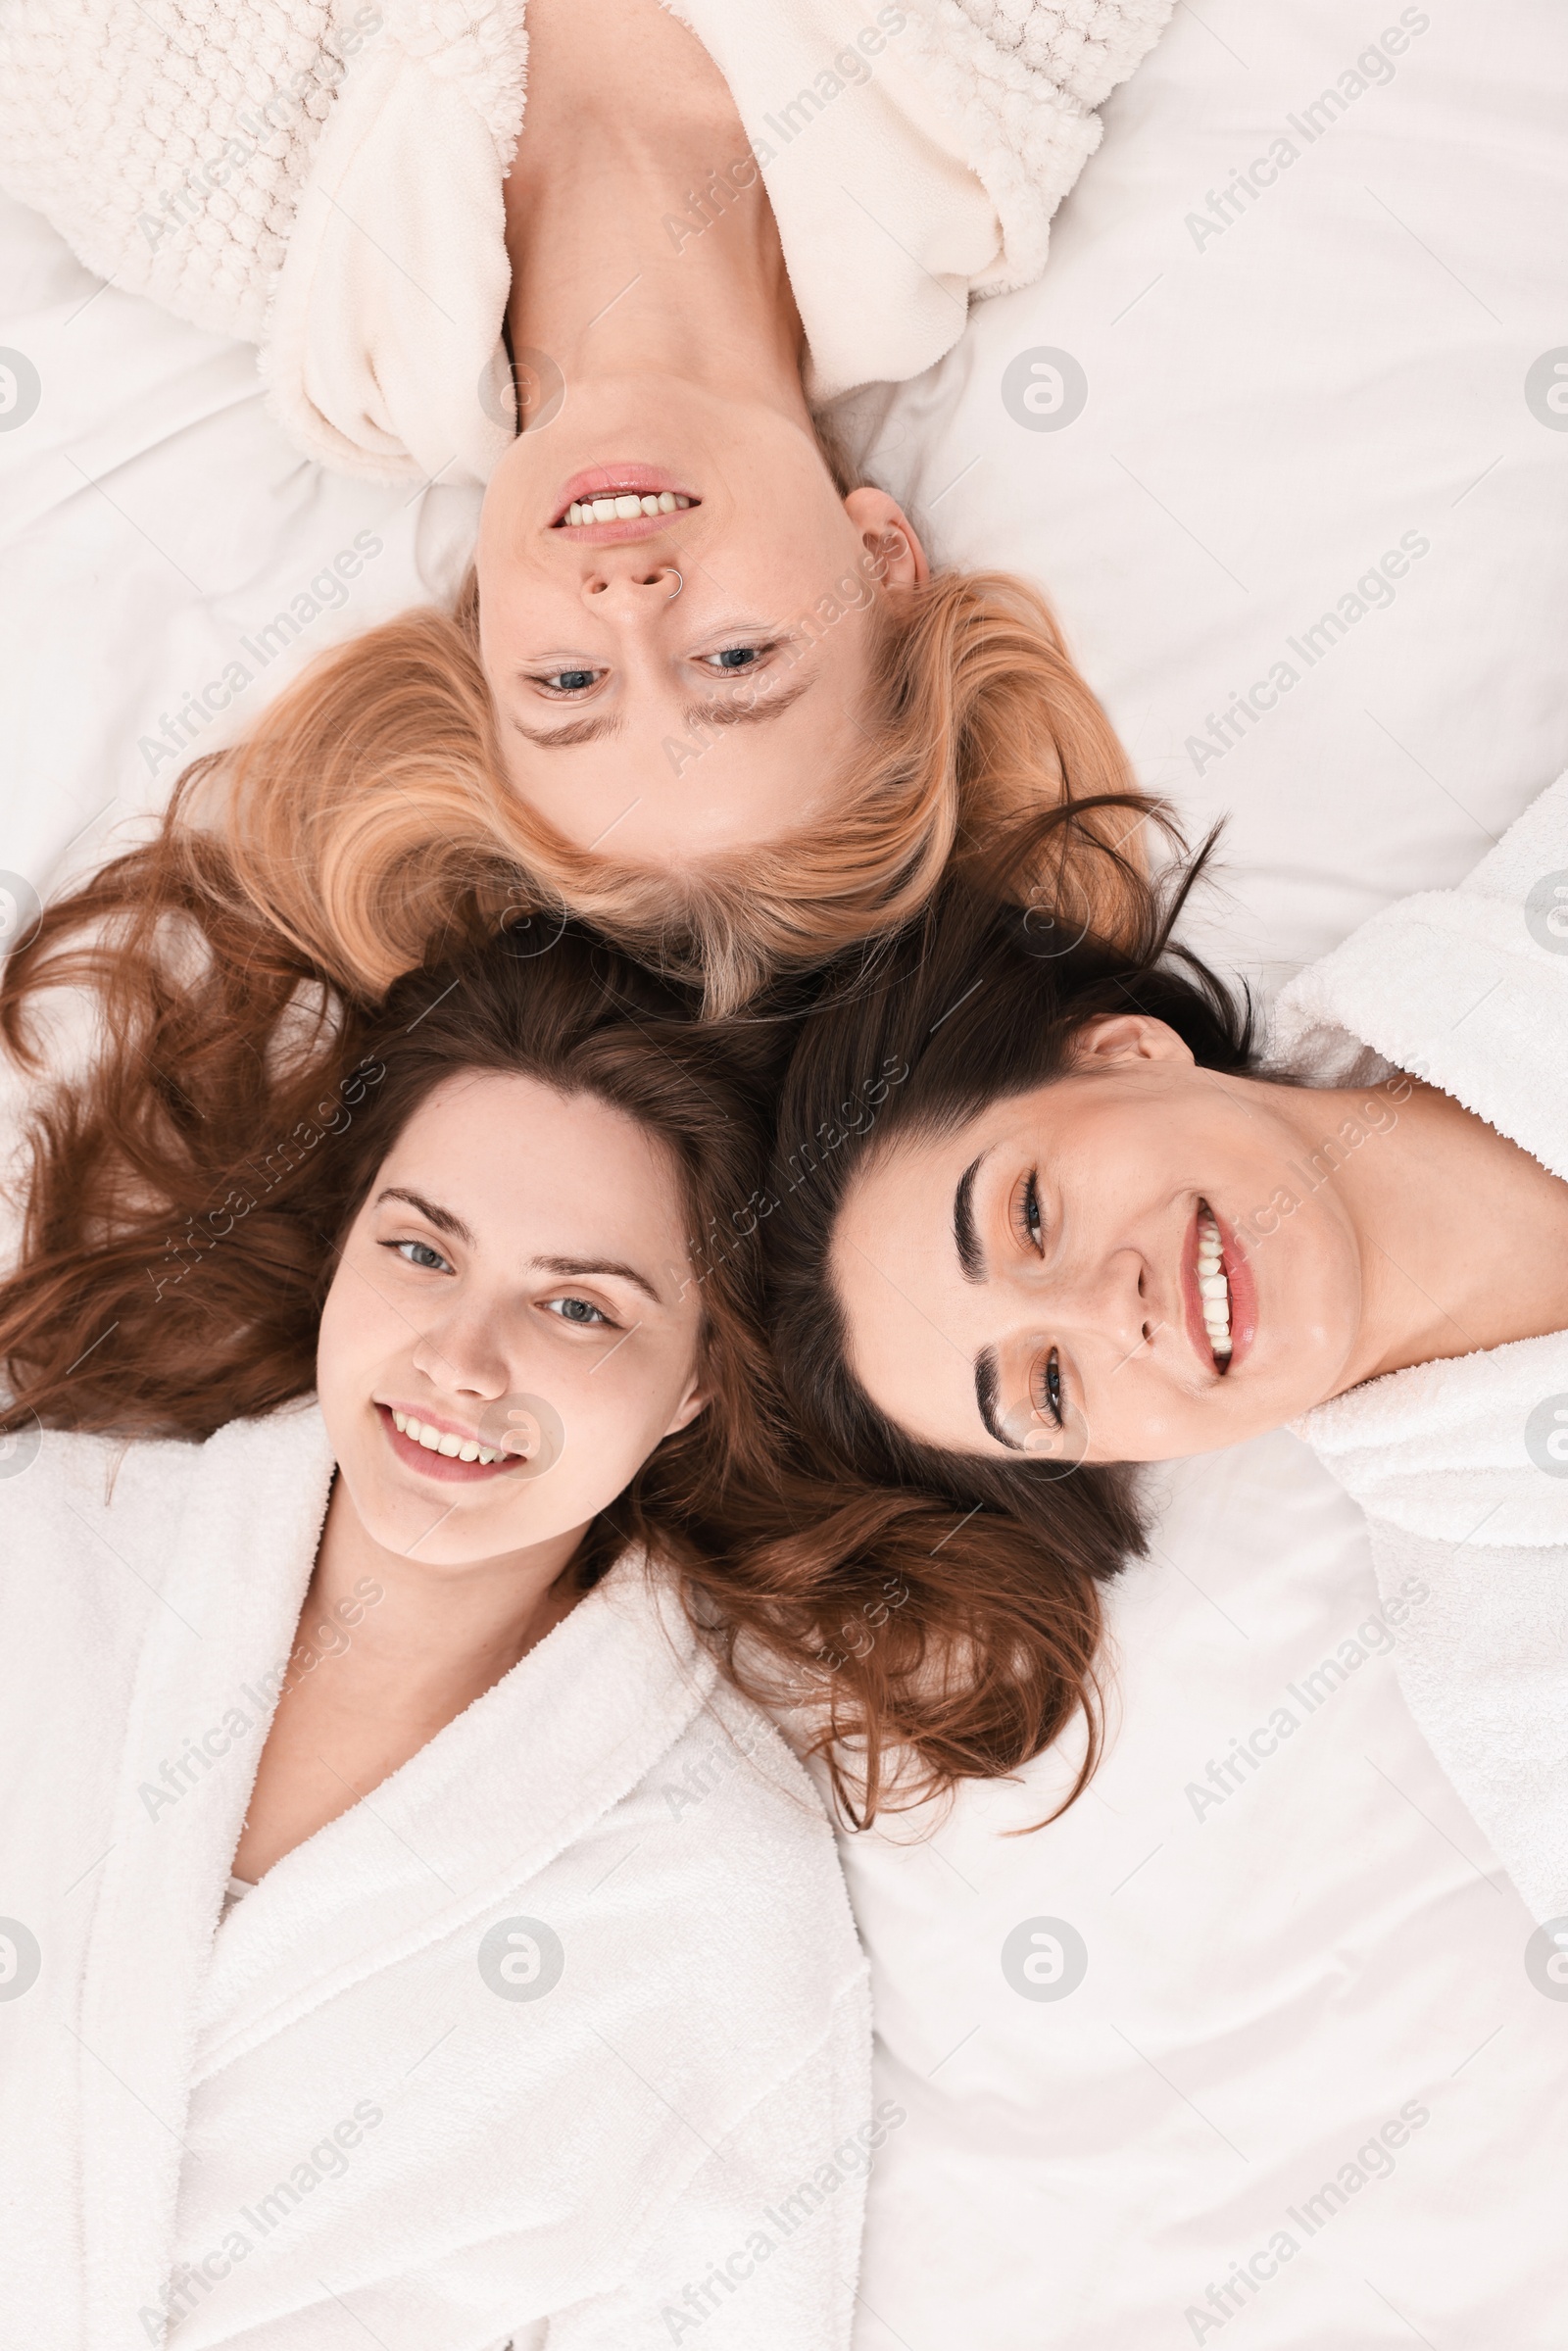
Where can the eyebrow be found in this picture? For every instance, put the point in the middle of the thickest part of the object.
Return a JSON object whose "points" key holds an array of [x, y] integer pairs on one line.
{"points": [[442, 1218], [698, 713], [565, 738], [748, 714], [986, 1384], [578, 1268], [966, 1239], [571, 1268]]}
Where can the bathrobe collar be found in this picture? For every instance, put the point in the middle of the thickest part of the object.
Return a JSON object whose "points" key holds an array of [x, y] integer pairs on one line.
{"points": [[483, 1806], [1467, 988]]}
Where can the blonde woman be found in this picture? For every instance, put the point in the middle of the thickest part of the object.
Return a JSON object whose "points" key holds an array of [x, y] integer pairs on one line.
{"points": [[701, 685]]}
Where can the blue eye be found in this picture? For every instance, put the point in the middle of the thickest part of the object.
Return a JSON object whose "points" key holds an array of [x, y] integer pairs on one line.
{"points": [[738, 656], [569, 681], [580, 1313], [420, 1254]]}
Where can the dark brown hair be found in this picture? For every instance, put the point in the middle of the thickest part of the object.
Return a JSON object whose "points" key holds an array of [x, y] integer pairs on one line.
{"points": [[980, 998], [187, 1189]]}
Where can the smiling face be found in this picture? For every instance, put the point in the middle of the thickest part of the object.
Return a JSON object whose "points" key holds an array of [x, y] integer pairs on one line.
{"points": [[1065, 1274], [514, 1245], [667, 724]]}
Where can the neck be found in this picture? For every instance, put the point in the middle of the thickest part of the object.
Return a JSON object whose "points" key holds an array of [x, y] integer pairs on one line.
{"points": [[614, 272], [1462, 1236], [437, 1638]]}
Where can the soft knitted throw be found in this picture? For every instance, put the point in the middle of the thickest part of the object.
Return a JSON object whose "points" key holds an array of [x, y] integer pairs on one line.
{"points": [[323, 178]]}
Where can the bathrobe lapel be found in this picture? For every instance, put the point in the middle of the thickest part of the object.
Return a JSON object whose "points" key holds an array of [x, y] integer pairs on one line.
{"points": [[501, 1793], [239, 1562], [495, 1797]]}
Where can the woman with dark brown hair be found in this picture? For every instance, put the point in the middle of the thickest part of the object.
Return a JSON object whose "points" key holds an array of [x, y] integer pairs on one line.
{"points": [[1098, 1226]]}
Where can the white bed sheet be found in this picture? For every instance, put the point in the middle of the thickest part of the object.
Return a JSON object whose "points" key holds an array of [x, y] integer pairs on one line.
{"points": [[1270, 408]]}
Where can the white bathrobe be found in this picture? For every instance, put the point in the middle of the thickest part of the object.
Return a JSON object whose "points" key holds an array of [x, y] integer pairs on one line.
{"points": [[1461, 1466], [325, 178], [561, 2037]]}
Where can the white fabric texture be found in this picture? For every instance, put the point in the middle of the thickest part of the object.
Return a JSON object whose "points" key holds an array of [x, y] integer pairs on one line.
{"points": [[923, 172], [1468, 989], [330, 2112], [327, 182]]}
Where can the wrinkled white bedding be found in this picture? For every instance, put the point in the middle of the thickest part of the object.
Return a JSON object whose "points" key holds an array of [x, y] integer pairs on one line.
{"points": [[1292, 1952]]}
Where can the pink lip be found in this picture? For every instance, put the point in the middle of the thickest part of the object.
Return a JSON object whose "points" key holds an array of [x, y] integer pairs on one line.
{"points": [[439, 1466], [1243, 1289], [607, 481], [1243, 1296]]}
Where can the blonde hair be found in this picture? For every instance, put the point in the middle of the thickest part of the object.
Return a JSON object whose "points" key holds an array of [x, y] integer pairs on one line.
{"points": [[369, 819]]}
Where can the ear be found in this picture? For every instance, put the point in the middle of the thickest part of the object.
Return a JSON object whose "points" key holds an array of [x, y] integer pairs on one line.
{"points": [[1122, 1037], [886, 533], [695, 1400]]}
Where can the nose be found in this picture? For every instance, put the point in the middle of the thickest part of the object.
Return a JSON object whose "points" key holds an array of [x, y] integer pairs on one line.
{"points": [[634, 580], [460, 1354], [1106, 1298]]}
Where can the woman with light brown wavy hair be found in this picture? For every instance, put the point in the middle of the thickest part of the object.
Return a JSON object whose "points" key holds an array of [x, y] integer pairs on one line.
{"points": [[394, 1478], [703, 686]]}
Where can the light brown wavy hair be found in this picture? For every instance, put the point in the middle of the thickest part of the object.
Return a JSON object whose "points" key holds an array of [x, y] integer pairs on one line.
{"points": [[370, 819], [186, 1190]]}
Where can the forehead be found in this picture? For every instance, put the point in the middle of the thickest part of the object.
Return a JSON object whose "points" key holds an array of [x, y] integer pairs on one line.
{"points": [[515, 1149], [913, 1324]]}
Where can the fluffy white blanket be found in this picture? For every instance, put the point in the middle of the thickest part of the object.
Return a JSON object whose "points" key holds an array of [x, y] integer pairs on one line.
{"points": [[1461, 1466], [325, 178], [559, 2037]]}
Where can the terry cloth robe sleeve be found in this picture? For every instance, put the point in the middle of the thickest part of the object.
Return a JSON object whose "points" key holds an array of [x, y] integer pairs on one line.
{"points": [[1461, 1465], [577, 1982], [914, 157], [325, 178]]}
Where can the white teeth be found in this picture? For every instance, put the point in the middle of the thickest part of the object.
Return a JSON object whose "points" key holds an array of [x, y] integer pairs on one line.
{"points": [[443, 1442], [1213, 1289], [619, 506]]}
